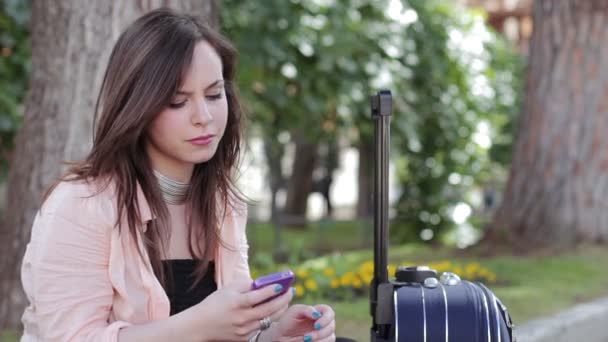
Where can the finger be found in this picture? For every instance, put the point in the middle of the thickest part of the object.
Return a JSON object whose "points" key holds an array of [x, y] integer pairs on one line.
{"points": [[292, 294], [323, 308], [271, 307], [327, 330], [277, 315], [251, 328], [308, 312], [240, 285], [321, 333], [253, 297], [256, 324], [327, 314]]}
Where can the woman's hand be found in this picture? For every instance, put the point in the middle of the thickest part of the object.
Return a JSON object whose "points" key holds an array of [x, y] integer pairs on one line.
{"points": [[231, 313], [306, 323]]}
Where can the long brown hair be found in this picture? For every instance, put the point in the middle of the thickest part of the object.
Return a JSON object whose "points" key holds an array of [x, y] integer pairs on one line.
{"points": [[145, 70]]}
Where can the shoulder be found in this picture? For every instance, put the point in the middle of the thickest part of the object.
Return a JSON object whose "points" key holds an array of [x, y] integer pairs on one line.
{"points": [[81, 200]]}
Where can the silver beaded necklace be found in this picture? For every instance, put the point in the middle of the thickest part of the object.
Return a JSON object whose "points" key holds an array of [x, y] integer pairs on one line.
{"points": [[173, 192]]}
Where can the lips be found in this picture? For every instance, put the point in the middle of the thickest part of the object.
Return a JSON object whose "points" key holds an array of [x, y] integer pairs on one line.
{"points": [[202, 140], [202, 137]]}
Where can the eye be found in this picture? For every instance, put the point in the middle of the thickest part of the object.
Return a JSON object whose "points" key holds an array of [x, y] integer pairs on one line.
{"points": [[177, 105], [215, 97]]}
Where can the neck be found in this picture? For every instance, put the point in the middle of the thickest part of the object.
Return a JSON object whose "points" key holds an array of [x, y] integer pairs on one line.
{"points": [[173, 192]]}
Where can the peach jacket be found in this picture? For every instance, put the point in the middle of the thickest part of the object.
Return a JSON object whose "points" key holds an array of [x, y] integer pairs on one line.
{"points": [[85, 281]]}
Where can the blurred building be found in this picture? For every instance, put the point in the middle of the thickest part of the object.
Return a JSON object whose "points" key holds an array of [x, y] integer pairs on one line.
{"points": [[513, 18]]}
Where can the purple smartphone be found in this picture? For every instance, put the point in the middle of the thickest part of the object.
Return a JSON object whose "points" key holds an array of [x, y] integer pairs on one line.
{"points": [[285, 278]]}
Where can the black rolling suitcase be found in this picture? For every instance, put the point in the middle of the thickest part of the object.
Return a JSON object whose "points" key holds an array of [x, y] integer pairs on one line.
{"points": [[418, 305]]}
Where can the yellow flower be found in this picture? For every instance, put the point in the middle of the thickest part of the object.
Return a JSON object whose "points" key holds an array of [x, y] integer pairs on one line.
{"points": [[299, 290], [335, 283], [329, 272], [302, 273], [367, 267], [367, 278], [347, 278], [472, 268], [440, 267], [311, 284], [357, 283]]}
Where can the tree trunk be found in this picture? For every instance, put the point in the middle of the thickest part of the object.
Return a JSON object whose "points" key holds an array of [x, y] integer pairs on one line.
{"points": [[299, 184], [71, 44], [365, 205], [274, 152], [557, 190]]}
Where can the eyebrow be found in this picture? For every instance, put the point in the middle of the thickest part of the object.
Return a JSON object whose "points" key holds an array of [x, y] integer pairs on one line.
{"points": [[214, 84]]}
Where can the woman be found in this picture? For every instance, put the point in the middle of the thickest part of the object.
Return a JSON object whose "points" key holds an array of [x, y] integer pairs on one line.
{"points": [[117, 238]]}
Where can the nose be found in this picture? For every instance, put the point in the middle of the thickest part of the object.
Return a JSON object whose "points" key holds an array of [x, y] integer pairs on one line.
{"points": [[201, 114]]}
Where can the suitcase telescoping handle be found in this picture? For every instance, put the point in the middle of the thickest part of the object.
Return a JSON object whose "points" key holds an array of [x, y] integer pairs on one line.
{"points": [[381, 107]]}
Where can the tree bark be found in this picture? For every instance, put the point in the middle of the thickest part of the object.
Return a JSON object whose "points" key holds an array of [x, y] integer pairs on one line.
{"points": [[274, 152], [365, 205], [71, 44], [558, 186], [300, 183]]}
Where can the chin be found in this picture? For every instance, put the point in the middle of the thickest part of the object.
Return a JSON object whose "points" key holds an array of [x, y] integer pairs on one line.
{"points": [[202, 158], [198, 156]]}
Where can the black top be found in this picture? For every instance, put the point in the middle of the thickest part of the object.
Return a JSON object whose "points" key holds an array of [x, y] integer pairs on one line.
{"points": [[182, 271]]}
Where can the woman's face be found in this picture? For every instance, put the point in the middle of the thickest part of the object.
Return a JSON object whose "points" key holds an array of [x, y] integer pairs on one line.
{"points": [[188, 131]]}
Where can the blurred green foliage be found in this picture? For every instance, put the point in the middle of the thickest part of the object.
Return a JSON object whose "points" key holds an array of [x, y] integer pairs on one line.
{"points": [[311, 65], [304, 64], [461, 98], [14, 70]]}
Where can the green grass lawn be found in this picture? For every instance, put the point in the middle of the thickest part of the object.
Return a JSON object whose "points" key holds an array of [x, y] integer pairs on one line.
{"points": [[8, 337], [317, 237]]}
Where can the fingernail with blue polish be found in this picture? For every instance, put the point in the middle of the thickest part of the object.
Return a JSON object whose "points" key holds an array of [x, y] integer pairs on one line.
{"points": [[278, 288], [307, 338], [318, 326], [293, 291], [316, 314]]}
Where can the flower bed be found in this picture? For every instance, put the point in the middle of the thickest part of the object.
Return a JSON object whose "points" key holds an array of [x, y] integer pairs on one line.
{"points": [[338, 279]]}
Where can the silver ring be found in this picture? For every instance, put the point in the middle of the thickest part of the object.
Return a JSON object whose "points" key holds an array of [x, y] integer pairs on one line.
{"points": [[254, 337], [265, 323]]}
